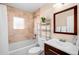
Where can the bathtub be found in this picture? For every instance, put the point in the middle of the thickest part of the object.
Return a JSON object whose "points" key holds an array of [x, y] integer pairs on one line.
{"points": [[22, 47]]}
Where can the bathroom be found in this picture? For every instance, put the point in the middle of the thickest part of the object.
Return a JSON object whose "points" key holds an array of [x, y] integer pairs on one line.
{"points": [[24, 35]]}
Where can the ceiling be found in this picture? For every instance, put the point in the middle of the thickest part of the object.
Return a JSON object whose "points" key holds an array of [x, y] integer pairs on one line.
{"points": [[31, 7]]}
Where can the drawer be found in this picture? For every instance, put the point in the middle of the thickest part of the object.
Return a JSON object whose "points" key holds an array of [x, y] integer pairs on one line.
{"points": [[49, 50]]}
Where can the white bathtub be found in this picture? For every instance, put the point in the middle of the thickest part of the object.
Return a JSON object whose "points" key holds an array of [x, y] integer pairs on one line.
{"points": [[22, 47]]}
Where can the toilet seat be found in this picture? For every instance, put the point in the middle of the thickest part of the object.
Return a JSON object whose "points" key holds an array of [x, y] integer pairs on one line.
{"points": [[35, 51]]}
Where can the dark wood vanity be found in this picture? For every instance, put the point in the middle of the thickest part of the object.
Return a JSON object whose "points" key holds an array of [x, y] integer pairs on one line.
{"points": [[49, 50]]}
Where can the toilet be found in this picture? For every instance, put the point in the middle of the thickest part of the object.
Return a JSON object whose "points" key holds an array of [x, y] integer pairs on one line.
{"points": [[37, 50]]}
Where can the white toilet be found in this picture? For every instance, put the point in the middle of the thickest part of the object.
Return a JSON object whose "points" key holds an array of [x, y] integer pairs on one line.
{"points": [[38, 50]]}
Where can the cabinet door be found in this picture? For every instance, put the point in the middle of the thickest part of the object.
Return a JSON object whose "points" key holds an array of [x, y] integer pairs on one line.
{"points": [[49, 50]]}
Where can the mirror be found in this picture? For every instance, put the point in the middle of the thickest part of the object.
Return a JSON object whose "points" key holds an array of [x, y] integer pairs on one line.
{"points": [[65, 22]]}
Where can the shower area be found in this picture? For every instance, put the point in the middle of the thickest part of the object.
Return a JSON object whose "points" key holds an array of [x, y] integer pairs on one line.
{"points": [[20, 31]]}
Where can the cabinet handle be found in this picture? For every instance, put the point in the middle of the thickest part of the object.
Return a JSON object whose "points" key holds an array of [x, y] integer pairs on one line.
{"points": [[53, 51]]}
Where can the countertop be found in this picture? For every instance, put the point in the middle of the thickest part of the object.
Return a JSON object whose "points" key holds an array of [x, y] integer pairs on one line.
{"points": [[63, 46]]}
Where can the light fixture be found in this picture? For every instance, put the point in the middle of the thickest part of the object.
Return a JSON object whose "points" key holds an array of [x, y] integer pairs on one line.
{"points": [[58, 5]]}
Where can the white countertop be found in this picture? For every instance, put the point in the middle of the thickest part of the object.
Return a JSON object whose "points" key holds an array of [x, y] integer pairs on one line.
{"points": [[63, 46]]}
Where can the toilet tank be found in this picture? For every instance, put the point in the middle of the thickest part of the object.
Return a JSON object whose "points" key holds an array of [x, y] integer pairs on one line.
{"points": [[41, 42]]}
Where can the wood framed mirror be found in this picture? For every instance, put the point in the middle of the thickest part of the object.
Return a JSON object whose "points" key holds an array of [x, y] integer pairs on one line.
{"points": [[65, 21]]}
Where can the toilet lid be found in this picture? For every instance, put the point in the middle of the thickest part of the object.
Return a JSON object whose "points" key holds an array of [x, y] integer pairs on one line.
{"points": [[35, 50]]}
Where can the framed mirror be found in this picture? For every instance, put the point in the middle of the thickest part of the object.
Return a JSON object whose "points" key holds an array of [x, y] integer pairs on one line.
{"points": [[65, 21]]}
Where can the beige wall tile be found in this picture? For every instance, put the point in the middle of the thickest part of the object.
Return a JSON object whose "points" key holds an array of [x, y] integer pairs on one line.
{"points": [[20, 34]]}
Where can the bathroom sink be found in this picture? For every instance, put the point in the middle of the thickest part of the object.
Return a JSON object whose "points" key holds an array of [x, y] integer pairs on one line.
{"points": [[62, 40], [60, 43], [55, 42]]}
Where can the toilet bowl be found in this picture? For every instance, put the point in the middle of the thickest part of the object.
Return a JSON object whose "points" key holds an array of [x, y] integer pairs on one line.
{"points": [[37, 50]]}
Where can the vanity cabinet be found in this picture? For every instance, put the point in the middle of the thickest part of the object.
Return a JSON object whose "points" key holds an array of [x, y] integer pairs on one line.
{"points": [[50, 50]]}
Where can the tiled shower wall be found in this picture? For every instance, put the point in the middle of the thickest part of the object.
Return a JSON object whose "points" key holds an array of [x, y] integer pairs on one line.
{"points": [[16, 35]]}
